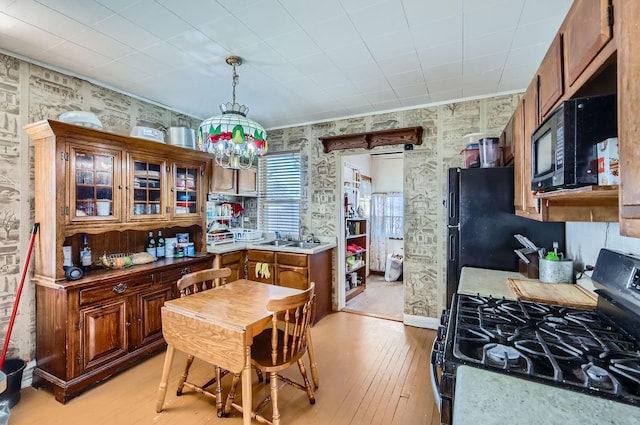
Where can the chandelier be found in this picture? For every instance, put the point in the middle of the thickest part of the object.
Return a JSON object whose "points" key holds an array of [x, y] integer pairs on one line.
{"points": [[233, 139]]}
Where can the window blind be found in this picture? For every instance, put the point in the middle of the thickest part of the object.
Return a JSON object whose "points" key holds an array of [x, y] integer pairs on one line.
{"points": [[279, 192]]}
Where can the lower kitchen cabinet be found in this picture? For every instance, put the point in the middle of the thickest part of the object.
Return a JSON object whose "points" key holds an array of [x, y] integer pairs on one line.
{"points": [[299, 270], [233, 260], [89, 329], [260, 266]]}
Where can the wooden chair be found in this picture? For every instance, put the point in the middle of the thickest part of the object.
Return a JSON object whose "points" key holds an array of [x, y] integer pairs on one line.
{"points": [[278, 347], [193, 283]]}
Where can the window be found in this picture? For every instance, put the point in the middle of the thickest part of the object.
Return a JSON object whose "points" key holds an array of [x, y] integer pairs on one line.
{"points": [[279, 193]]}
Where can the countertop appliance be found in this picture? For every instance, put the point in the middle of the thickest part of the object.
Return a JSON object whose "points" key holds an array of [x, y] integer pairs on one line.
{"points": [[563, 147], [481, 223], [593, 351]]}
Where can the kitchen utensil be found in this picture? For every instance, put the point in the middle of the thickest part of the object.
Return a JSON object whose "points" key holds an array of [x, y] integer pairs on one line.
{"points": [[85, 119], [182, 136], [148, 133], [570, 295], [12, 319], [556, 271]]}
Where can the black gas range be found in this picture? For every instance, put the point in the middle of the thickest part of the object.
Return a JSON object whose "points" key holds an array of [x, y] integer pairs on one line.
{"points": [[592, 351]]}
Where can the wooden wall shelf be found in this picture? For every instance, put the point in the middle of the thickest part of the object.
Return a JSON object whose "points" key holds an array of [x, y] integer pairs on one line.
{"points": [[588, 203], [369, 140]]}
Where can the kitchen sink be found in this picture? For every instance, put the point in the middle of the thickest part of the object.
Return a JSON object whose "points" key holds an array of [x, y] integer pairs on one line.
{"points": [[305, 245], [278, 242]]}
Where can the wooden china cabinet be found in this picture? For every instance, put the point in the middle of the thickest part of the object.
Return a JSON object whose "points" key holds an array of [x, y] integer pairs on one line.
{"points": [[115, 189]]}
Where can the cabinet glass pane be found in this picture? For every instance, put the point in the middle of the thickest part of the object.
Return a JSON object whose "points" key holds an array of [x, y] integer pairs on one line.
{"points": [[185, 190], [94, 184], [146, 188]]}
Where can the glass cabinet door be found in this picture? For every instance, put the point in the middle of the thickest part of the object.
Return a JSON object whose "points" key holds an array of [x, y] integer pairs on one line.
{"points": [[94, 185], [186, 191], [148, 188]]}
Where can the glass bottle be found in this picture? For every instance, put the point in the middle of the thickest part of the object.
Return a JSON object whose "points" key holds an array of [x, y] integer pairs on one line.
{"points": [[85, 254], [151, 245], [160, 251]]}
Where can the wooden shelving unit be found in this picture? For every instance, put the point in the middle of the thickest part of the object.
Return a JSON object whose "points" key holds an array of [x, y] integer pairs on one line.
{"points": [[356, 234]]}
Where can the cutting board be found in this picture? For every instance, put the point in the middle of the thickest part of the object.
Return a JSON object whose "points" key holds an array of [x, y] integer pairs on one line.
{"points": [[563, 294]]}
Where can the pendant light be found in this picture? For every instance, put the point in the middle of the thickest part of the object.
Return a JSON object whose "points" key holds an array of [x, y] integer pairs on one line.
{"points": [[233, 139]]}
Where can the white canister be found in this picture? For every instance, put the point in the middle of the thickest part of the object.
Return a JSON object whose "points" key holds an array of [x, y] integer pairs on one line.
{"points": [[556, 271]]}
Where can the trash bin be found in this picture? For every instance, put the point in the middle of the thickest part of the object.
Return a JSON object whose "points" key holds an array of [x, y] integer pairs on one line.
{"points": [[393, 268], [13, 369]]}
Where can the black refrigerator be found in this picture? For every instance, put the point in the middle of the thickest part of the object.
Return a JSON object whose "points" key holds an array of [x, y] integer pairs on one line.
{"points": [[481, 223]]}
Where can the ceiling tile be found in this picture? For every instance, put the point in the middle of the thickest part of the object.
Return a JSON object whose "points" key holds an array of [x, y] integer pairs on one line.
{"points": [[90, 13], [400, 64], [487, 44], [254, 17], [101, 43], [25, 35], [44, 18], [333, 32], [126, 32], [196, 12], [155, 19], [293, 45], [381, 18], [391, 44]]}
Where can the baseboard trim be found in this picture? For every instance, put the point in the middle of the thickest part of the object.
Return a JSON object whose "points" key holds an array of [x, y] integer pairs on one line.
{"points": [[421, 321]]}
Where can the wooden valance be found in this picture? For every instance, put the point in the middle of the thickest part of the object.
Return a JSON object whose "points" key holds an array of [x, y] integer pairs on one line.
{"points": [[395, 136]]}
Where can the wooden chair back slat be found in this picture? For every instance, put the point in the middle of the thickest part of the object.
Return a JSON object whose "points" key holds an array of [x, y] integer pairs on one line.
{"points": [[290, 321], [202, 280]]}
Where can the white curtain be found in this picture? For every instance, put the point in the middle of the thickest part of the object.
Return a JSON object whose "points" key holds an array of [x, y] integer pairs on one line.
{"points": [[387, 221]]}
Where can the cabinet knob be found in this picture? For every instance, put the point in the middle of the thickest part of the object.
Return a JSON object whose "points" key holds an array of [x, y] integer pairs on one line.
{"points": [[120, 288], [127, 323], [186, 270]]}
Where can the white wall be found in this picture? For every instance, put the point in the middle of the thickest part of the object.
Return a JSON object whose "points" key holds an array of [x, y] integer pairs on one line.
{"points": [[584, 241], [386, 173]]}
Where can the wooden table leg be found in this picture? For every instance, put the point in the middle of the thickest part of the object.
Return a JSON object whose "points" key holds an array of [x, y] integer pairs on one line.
{"points": [[162, 390], [312, 361], [246, 387]]}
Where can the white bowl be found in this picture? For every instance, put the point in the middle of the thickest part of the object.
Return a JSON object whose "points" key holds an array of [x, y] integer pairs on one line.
{"points": [[148, 133], [86, 119]]}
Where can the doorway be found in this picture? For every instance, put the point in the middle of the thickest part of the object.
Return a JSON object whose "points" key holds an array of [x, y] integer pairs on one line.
{"points": [[373, 186]]}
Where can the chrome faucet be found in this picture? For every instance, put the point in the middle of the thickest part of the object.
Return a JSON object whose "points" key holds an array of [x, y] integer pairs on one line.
{"points": [[312, 238]]}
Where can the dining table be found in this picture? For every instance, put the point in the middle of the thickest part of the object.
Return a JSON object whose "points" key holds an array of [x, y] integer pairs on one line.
{"points": [[218, 326]]}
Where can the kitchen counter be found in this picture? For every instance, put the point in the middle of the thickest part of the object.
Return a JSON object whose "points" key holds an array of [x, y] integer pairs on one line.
{"points": [[487, 398], [494, 282], [224, 248]]}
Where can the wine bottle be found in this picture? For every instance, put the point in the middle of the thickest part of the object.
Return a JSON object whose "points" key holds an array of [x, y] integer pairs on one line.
{"points": [[85, 254], [151, 246], [160, 251]]}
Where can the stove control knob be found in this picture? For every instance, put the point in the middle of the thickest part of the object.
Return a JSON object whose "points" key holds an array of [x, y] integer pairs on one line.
{"points": [[439, 346], [442, 332], [444, 317], [437, 358]]}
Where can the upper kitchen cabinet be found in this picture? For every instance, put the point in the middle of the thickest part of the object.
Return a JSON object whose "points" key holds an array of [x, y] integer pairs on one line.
{"points": [[95, 182], [526, 118], [581, 61], [230, 181], [550, 84], [587, 29], [629, 115]]}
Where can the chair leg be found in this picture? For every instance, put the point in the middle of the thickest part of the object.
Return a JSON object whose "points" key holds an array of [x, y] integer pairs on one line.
{"points": [[232, 394], [183, 378], [307, 384], [312, 361], [274, 398]]}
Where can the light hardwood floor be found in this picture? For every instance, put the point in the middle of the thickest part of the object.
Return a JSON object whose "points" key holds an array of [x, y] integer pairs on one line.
{"points": [[372, 371]]}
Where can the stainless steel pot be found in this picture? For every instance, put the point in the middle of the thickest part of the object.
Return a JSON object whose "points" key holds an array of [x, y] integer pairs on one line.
{"points": [[182, 136]]}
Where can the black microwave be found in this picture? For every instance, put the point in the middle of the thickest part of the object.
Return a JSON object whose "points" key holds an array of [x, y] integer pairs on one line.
{"points": [[563, 147]]}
